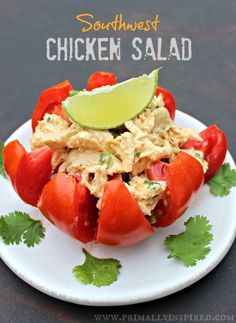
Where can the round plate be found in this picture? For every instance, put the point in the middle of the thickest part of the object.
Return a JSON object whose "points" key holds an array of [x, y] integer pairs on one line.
{"points": [[146, 273]]}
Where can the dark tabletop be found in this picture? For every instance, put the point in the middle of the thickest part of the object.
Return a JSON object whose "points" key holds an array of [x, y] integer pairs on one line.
{"points": [[204, 87]]}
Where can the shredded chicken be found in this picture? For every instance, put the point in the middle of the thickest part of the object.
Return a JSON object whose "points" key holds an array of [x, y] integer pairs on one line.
{"points": [[123, 147], [90, 139], [54, 132], [95, 185], [98, 155], [147, 193]]}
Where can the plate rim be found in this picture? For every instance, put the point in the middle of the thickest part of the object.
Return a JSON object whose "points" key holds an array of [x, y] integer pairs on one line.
{"points": [[148, 294]]}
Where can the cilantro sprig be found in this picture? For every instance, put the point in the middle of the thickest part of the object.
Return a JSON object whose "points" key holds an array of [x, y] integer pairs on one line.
{"points": [[96, 271], [18, 227], [191, 245], [2, 171], [223, 181]]}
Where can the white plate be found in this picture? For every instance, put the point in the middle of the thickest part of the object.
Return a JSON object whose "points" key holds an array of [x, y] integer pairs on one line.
{"points": [[146, 273]]}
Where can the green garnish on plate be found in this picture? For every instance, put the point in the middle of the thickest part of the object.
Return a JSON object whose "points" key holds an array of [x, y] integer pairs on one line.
{"points": [[193, 244], [96, 271], [18, 227], [223, 181]]}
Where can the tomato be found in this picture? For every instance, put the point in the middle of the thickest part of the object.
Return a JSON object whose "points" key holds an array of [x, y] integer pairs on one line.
{"points": [[121, 222], [12, 155], [70, 206], [29, 172], [33, 172], [49, 100], [157, 171], [169, 101], [184, 177], [214, 146], [99, 79]]}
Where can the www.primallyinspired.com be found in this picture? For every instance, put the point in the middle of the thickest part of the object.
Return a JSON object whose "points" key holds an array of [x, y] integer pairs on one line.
{"points": [[163, 317], [110, 49]]}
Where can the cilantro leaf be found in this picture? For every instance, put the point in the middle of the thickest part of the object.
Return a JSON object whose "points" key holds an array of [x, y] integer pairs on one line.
{"points": [[96, 271], [2, 171], [137, 154], [151, 185], [191, 245], [106, 158], [18, 226], [223, 181]]}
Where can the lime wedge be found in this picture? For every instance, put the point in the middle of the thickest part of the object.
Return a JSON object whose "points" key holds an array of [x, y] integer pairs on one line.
{"points": [[108, 107]]}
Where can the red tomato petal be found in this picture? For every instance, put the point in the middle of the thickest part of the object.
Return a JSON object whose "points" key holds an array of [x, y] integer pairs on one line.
{"points": [[33, 172], [121, 222], [69, 206], [214, 146], [169, 101], [87, 214], [184, 177], [57, 202], [52, 95], [216, 149], [12, 155], [99, 79]]}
